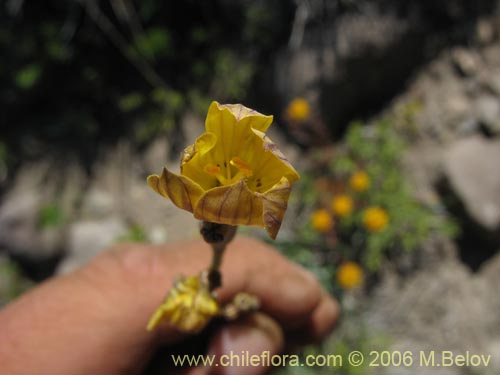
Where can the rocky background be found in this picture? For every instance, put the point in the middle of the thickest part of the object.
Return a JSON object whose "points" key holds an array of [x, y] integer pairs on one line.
{"points": [[350, 60]]}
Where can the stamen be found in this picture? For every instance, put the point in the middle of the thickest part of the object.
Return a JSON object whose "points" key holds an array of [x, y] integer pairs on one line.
{"points": [[242, 165], [211, 169]]}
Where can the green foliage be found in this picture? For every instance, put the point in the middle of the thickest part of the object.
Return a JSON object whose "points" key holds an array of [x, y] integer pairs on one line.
{"points": [[155, 43], [50, 216], [171, 99], [159, 120], [198, 101], [57, 51], [152, 124], [378, 151], [136, 233], [232, 75], [89, 83], [308, 256], [131, 101], [352, 335], [28, 76], [12, 282]]}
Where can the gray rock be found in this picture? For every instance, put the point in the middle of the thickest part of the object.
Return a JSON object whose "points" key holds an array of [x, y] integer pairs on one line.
{"points": [[466, 61], [471, 167], [39, 186], [192, 126], [98, 203], [118, 189], [491, 80], [485, 31], [161, 220], [89, 238], [440, 307], [490, 273], [346, 57], [156, 155], [18, 225], [487, 108]]}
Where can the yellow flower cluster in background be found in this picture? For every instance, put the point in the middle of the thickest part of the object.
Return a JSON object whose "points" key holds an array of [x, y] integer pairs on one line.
{"points": [[350, 275], [298, 109], [359, 181], [375, 219], [342, 205], [322, 221]]}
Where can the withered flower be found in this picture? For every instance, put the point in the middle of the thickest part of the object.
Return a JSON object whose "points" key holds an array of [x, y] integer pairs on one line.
{"points": [[233, 174], [189, 306]]}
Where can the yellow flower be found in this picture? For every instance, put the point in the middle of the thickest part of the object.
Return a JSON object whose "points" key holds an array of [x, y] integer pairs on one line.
{"points": [[233, 174], [342, 205], [375, 219], [189, 306], [321, 221], [349, 275], [298, 109], [359, 181]]}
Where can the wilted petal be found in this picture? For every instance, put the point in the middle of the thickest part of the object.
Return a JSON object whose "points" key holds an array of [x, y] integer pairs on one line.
{"points": [[236, 113], [182, 191], [189, 306], [287, 169], [232, 204], [274, 202]]}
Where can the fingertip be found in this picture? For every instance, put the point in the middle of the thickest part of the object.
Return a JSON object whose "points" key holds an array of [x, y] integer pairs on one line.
{"points": [[287, 292], [324, 318], [291, 296], [253, 335]]}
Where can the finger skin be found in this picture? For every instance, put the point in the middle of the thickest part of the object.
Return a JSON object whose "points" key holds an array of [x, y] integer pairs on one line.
{"points": [[252, 335], [93, 320]]}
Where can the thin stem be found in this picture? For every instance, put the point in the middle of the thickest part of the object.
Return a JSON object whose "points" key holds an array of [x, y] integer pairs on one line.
{"points": [[218, 236], [218, 252]]}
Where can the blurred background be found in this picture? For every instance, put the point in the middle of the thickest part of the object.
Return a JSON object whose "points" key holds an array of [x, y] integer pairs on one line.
{"points": [[389, 109]]}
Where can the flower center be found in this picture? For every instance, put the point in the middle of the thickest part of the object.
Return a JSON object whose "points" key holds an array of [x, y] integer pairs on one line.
{"points": [[240, 168]]}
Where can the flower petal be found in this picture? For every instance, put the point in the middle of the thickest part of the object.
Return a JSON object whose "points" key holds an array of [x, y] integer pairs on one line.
{"points": [[269, 164], [183, 192], [274, 202], [248, 116], [231, 124], [196, 157], [232, 204]]}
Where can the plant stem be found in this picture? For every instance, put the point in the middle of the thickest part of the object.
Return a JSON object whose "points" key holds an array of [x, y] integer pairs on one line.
{"points": [[218, 236]]}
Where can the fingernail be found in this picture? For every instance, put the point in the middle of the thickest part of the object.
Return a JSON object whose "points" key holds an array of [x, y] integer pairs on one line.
{"points": [[247, 346]]}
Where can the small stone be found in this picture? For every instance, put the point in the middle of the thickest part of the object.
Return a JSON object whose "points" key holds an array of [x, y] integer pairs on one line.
{"points": [[20, 231], [492, 81], [158, 235], [471, 167], [467, 62], [89, 238], [485, 32], [156, 154], [98, 203], [487, 108]]}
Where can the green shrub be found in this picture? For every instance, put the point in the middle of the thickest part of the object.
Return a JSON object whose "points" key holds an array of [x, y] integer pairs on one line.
{"points": [[50, 216], [12, 282]]}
